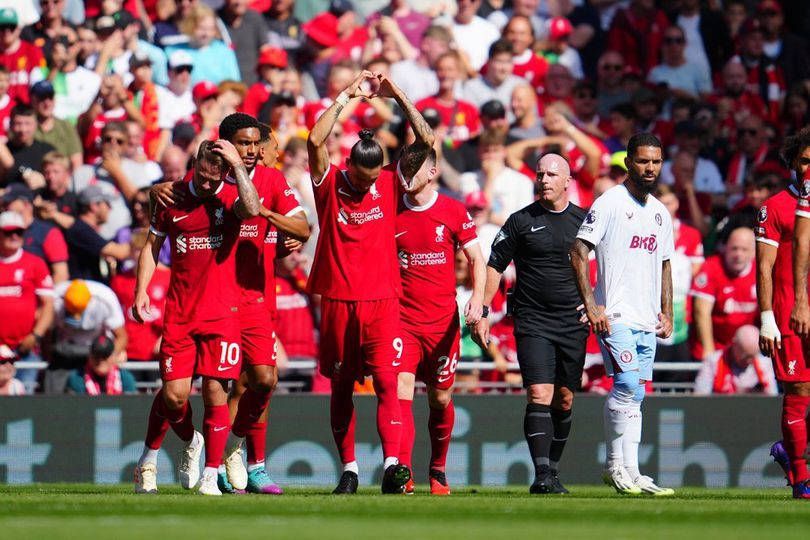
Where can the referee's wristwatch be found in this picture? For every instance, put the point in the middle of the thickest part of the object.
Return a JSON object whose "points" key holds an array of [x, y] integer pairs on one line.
{"points": [[485, 312]]}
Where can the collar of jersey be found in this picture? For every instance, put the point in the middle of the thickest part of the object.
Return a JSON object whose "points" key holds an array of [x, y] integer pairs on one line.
{"points": [[422, 208], [349, 183], [555, 211], [194, 192], [231, 180], [12, 258], [793, 190]]}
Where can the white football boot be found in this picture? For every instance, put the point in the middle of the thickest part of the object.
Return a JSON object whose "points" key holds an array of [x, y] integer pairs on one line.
{"points": [[146, 479], [188, 470], [618, 478]]}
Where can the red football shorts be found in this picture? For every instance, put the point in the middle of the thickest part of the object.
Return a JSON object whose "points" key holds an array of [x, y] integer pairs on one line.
{"points": [[432, 357], [359, 338], [789, 361], [258, 336], [210, 348]]}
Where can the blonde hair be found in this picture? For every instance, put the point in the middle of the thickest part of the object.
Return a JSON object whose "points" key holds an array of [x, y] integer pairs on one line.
{"points": [[56, 157], [197, 13]]}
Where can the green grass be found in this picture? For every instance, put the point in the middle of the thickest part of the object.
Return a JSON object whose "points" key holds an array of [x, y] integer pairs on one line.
{"points": [[55, 511]]}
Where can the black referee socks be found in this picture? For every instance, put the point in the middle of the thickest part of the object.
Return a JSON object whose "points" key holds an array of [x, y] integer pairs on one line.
{"points": [[562, 427], [539, 431]]}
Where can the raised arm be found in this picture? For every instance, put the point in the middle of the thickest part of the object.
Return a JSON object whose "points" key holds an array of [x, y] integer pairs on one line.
{"points": [[248, 205], [414, 154], [316, 142], [579, 262]]}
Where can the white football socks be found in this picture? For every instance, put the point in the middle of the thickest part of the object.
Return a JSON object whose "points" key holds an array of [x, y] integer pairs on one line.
{"points": [[615, 416], [632, 439]]}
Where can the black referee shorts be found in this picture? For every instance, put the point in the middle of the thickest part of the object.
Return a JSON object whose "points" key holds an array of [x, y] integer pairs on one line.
{"points": [[552, 361]]}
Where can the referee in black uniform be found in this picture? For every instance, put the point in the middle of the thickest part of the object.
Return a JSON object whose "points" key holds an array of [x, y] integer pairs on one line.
{"points": [[550, 337]]}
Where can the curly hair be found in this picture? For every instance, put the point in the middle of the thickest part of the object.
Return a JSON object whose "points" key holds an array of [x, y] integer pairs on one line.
{"points": [[794, 145], [234, 122]]}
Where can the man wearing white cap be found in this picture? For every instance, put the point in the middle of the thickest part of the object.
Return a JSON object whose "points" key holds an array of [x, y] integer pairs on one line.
{"points": [[26, 294], [175, 102]]}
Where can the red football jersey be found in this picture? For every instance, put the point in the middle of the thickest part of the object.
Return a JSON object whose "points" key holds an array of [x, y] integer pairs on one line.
{"points": [[19, 65], [356, 255], [143, 337], [23, 276], [462, 118], [295, 325], [689, 242], [256, 249], [427, 239], [776, 220], [203, 232], [533, 68], [735, 301]]}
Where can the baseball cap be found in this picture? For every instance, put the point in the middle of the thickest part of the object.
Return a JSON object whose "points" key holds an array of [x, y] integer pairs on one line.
{"points": [[180, 59], [138, 59], [105, 23], [77, 297], [476, 200], [769, 6], [339, 7], [273, 56], [559, 28], [281, 98], [432, 117], [8, 17], [204, 90], [93, 194], [102, 347], [183, 133], [17, 191], [493, 109], [123, 19], [11, 221], [43, 89], [617, 160], [322, 29]]}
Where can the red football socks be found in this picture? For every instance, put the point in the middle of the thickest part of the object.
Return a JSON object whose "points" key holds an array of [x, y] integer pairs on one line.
{"points": [[251, 407], [158, 425], [255, 441], [215, 431], [408, 432], [794, 434], [180, 419], [342, 418], [440, 426], [389, 419]]}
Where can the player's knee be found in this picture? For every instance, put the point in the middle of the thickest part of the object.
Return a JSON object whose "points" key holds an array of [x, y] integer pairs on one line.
{"points": [[264, 382], [563, 399], [439, 399], [214, 391], [175, 397], [626, 383], [540, 394], [641, 391], [385, 384], [406, 382]]}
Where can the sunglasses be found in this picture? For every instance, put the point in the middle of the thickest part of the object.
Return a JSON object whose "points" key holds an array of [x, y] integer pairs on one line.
{"points": [[181, 69], [14, 232], [116, 140], [751, 132], [612, 67], [673, 41]]}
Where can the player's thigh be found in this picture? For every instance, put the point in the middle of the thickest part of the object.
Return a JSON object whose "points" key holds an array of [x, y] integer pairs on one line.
{"points": [[570, 358], [619, 350], [258, 337], [178, 352], [441, 356], [380, 336], [537, 359], [789, 361], [339, 346], [219, 349], [646, 343]]}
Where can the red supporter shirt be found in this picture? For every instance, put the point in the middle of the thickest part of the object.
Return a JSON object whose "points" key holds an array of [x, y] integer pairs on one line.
{"points": [[533, 68], [776, 220], [256, 249], [19, 65], [6, 104], [356, 256], [203, 232], [295, 326], [734, 298], [427, 239], [142, 337], [461, 118], [23, 277], [688, 241], [92, 139]]}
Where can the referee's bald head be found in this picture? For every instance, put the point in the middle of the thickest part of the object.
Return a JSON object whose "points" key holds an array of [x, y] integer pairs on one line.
{"points": [[553, 163], [551, 181]]}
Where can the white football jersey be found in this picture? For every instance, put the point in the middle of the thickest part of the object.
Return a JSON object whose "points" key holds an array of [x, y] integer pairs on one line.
{"points": [[631, 241]]}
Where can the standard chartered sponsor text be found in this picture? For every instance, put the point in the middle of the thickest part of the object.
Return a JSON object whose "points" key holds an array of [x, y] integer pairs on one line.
{"points": [[427, 259]]}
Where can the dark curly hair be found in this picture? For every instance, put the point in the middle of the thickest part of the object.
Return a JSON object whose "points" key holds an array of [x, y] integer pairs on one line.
{"points": [[794, 145], [234, 122]]}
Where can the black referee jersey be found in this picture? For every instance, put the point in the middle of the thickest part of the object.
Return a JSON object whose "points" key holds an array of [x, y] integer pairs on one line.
{"points": [[545, 296]]}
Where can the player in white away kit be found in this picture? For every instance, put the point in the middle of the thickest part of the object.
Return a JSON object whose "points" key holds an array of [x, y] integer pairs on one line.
{"points": [[631, 232]]}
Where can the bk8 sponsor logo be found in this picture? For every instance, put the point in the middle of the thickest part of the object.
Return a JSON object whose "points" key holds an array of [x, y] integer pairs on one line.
{"points": [[648, 243]]}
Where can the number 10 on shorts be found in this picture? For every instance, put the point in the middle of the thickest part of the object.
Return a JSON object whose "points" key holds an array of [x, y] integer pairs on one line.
{"points": [[229, 354]]}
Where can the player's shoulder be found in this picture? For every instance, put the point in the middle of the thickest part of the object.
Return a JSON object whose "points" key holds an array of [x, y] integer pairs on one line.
{"points": [[783, 200], [576, 211], [447, 203]]}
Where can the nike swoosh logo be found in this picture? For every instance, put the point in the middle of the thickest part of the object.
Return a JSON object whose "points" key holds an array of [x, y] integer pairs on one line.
{"points": [[220, 428], [175, 219], [443, 438], [399, 234], [223, 368], [790, 423], [338, 430], [344, 193], [535, 229], [442, 379], [395, 364], [393, 423], [536, 434]]}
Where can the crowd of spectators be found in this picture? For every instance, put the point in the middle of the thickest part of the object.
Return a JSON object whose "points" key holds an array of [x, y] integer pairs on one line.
{"points": [[100, 99]]}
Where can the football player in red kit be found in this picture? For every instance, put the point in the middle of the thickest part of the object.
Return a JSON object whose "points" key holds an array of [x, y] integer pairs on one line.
{"points": [[430, 228], [356, 272], [201, 325]]}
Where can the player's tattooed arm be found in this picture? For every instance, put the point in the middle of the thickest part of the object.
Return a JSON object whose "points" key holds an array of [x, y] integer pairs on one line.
{"points": [[316, 142], [414, 154], [579, 262], [248, 204], [800, 316], [665, 317]]}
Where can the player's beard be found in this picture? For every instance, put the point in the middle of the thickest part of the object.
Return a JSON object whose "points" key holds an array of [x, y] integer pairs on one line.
{"points": [[644, 187]]}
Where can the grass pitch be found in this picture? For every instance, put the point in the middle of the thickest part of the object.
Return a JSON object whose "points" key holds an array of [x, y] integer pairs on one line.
{"points": [[56, 511]]}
